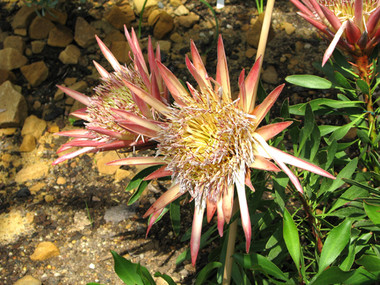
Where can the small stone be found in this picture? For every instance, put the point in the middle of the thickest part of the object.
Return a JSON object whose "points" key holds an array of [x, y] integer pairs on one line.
{"points": [[181, 11], [60, 36], [13, 105], [33, 126], [44, 250], [6, 75], [84, 33], [189, 20], [38, 46], [49, 198], [23, 192], [57, 16], [37, 187], [121, 174], [117, 18], [15, 42], [91, 266], [138, 4], [40, 28], [23, 17], [70, 55], [176, 37], [288, 27], [175, 3], [270, 75], [20, 32], [35, 73], [121, 50], [34, 171], [53, 129], [11, 58], [164, 25], [165, 45], [28, 280], [250, 52], [28, 143], [61, 180], [119, 213]]}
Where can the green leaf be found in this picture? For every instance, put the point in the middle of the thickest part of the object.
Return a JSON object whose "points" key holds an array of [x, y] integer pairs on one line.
{"points": [[139, 177], [349, 195], [291, 238], [126, 270], [136, 195], [206, 271], [373, 212], [360, 277], [309, 81], [175, 216], [256, 261], [323, 106], [343, 130], [370, 261], [332, 275], [307, 129], [363, 86], [341, 80], [145, 275], [166, 277], [336, 241]]}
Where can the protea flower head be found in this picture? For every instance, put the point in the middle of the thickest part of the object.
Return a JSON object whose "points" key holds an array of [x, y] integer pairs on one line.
{"points": [[209, 143], [105, 130], [352, 25]]}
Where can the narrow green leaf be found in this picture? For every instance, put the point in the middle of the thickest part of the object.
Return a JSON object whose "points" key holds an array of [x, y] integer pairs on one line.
{"points": [[166, 277], [370, 261], [363, 86], [361, 276], [291, 238], [336, 241], [307, 129], [138, 178], [136, 195], [323, 105], [309, 81], [126, 270], [175, 216], [145, 275], [206, 271], [349, 195], [341, 80], [373, 212], [332, 275], [343, 130], [256, 261]]}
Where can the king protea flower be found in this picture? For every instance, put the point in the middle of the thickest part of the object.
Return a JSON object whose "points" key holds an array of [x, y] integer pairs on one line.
{"points": [[352, 25], [209, 143], [105, 130]]}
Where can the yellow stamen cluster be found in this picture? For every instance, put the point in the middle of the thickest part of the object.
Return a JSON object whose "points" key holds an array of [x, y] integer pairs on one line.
{"points": [[207, 141]]}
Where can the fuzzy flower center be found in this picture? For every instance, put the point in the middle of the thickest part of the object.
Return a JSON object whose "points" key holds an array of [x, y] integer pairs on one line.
{"points": [[207, 141]]}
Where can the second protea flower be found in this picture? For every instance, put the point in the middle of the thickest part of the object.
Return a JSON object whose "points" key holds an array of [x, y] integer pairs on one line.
{"points": [[209, 143], [352, 25]]}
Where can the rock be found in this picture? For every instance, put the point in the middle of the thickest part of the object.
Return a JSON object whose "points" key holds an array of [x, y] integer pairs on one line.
{"points": [[14, 224], [11, 58], [84, 33], [13, 105], [270, 75], [23, 17], [49, 198], [56, 16], [165, 45], [28, 143], [38, 46], [15, 42], [164, 25], [60, 36], [35, 73], [253, 34], [121, 50], [181, 11], [138, 4], [288, 27], [34, 171], [61, 180], [119, 213], [153, 17], [115, 35], [28, 280], [6, 75], [33, 126], [176, 37], [175, 3], [20, 32], [23, 193], [102, 158], [250, 52], [70, 55], [40, 28], [117, 18], [44, 250], [189, 20], [121, 174]]}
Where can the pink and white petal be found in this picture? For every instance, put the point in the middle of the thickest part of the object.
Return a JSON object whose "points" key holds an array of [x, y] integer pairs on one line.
{"points": [[196, 231], [242, 92], [169, 196], [137, 161], [331, 17], [101, 70], [152, 220], [353, 33], [211, 208], [302, 8], [264, 164], [115, 145], [137, 129], [358, 12], [261, 110], [222, 75], [248, 181], [333, 43], [72, 154], [84, 99], [198, 63], [228, 202], [108, 55], [149, 124], [220, 216], [161, 172], [81, 114], [250, 84], [373, 20], [319, 25], [194, 72], [78, 133], [269, 131]]}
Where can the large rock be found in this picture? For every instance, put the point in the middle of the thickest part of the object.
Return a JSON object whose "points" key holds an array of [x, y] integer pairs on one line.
{"points": [[12, 106], [15, 224], [35, 73], [37, 170], [118, 18], [33, 126], [56, 16], [15, 42], [44, 250], [6, 75], [28, 280], [11, 58], [102, 158], [23, 17], [121, 50], [60, 36], [84, 33], [40, 28], [164, 25], [70, 55], [188, 21]]}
